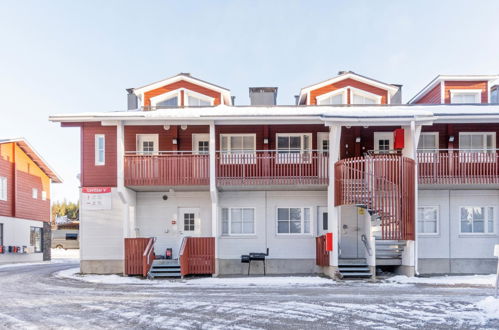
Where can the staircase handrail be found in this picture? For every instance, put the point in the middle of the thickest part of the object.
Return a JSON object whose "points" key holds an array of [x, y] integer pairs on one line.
{"points": [[147, 257], [363, 238]]}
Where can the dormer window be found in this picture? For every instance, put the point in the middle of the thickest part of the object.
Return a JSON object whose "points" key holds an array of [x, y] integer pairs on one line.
{"points": [[361, 97], [193, 99], [469, 96], [171, 102], [196, 102], [334, 97]]}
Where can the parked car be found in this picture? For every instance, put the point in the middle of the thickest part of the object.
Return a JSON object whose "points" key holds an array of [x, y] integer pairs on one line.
{"points": [[65, 239]]}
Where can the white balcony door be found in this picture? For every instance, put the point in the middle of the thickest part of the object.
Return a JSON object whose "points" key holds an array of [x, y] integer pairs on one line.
{"points": [[322, 223], [383, 142], [200, 144], [147, 144], [189, 222], [323, 148]]}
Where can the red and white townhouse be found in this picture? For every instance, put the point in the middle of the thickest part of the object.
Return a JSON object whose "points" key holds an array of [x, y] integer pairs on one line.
{"points": [[346, 181], [25, 180]]}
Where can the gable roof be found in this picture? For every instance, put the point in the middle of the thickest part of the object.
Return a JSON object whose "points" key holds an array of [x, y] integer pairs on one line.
{"points": [[438, 79], [186, 77], [35, 157], [392, 89]]}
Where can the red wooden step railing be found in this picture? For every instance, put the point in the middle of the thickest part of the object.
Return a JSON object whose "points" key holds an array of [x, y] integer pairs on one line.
{"points": [[166, 168], [384, 184], [139, 255], [321, 254], [270, 167], [454, 166], [197, 255]]}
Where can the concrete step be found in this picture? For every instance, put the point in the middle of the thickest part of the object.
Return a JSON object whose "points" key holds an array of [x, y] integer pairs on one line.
{"points": [[353, 269], [160, 275], [357, 275], [165, 270]]}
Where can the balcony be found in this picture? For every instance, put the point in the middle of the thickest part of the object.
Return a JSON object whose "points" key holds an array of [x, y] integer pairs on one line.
{"points": [[167, 168], [305, 168], [455, 166]]}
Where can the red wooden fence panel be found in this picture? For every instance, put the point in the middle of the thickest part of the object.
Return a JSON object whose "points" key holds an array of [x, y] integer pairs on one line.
{"points": [[321, 254], [197, 256], [134, 250]]}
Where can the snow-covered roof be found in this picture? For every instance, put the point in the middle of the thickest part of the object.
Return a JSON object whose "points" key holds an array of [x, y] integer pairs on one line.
{"points": [[441, 78], [35, 156]]}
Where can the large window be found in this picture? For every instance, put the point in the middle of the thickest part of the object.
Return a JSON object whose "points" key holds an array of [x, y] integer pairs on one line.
{"points": [[336, 97], [427, 220], [3, 188], [36, 238], [147, 144], [170, 102], [428, 142], [477, 219], [294, 148], [293, 220], [100, 149], [238, 221], [477, 142], [465, 96], [238, 148], [195, 101]]}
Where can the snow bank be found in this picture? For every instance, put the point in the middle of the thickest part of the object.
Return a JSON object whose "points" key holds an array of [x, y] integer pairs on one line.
{"points": [[483, 280], [232, 282], [65, 254], [490, 306]]}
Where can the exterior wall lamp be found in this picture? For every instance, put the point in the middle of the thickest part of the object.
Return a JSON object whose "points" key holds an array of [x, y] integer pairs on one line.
{"points": [[265, 141], [174, 141], [451, 138], [357, 139]]}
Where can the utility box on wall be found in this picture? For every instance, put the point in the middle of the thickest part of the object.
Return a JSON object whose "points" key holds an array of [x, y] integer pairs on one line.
{"points": [[398, 137]]}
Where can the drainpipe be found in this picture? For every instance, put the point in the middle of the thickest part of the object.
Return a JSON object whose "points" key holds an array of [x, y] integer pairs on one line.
{"points": [[213, 193], [415, 133]]}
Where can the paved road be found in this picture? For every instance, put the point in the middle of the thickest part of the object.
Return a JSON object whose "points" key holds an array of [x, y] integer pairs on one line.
{"points": [[31, 297]]}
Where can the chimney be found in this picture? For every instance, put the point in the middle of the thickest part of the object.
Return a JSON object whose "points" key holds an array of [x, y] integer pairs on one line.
{"points": [[233, 100], [297, 99], [397, 97], [132, 102], [341, 72], [263, 95]]}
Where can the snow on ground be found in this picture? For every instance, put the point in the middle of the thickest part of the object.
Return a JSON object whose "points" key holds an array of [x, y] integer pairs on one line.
{"points": [[481, 280], [490, 306], [230, 282], [59, 256], [65, 254]]}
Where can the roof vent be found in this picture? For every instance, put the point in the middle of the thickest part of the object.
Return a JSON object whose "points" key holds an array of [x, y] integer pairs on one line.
{"points": [[132, 101], [341, 72], [185, 74], [263, 95]]}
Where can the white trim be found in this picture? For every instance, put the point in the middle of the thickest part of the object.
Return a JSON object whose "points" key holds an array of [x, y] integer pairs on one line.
{"points": [[285, 157], [476, 92], [383, 136], [375, 97], [229, 221], [437, 225], [147, 137], [44, 195], [188, 92], [3, 188], [34, 193], [484, 134], [302, 221], [485, 225], [196, 138], [97, 161], [342, 91], [163, 97], [321, 136], [229, 157]]}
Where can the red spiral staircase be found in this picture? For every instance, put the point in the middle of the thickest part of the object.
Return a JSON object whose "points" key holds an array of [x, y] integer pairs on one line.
{"points": [[384, 185]]}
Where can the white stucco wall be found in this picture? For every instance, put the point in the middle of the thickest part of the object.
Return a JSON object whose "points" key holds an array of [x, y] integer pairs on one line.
{"points": [[16, 232], [449, 243]]}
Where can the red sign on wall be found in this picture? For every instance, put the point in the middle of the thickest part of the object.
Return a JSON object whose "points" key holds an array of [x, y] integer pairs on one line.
{"points": [[96, 190], [329, 241], [399, 138]]}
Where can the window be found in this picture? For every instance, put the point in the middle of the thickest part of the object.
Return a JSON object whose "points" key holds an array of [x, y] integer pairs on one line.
{"points": [[195, 101], [34, 193], [477, 219], [100, 149], [203, 147], [383, 142], [238, 148], [294, 148], [189, 221], [44, 195], [428, 147], [477, 142], [71, 236], [3, 188], [1, 233], [362, 97], [170, 102], [293, 220], [238, 221], [36, 238], [465, 96], [147, 144], [427, 220], [324, 221], [336, 97]]}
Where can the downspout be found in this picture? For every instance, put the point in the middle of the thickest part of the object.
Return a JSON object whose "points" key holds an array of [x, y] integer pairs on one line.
{"points": [[415, 138]]}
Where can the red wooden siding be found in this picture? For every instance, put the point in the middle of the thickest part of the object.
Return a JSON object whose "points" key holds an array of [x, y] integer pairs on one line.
{"points": [[182, 84], [321, 254], [433, 96], [134, 251], [348, 83], [482, 85], [22, 176], [92, 175], [383, 184], [197, 255]]}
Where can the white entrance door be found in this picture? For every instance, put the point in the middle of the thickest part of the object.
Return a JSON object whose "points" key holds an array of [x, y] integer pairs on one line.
{"points": [[189, 223], [322, 223], [383, 142], [323, 149], [147, 144], [200, 144], [351, 230]]}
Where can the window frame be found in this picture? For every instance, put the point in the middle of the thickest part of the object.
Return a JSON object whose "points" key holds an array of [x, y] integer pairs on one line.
{"points": [[486, 219], [4, 189], [302, 221], [199, 96], [34, 193], [140, 147], [378, 136], [341, 91], [355, 91], [97, 160], [428, 155], [483, 155], [237, 158], [302, 159], [456, 92], [193, 230], [32, 239], [437, 220], [229, 221], [44, 195], [166, 96]]}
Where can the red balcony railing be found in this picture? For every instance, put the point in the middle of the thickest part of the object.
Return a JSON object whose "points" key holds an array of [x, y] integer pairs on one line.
{"points": [[166, 168], [272, 168], [197, 255], [454, 166]]}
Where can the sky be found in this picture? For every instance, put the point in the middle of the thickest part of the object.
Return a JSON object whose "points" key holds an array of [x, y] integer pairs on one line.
{"points": [[59, 57]]}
